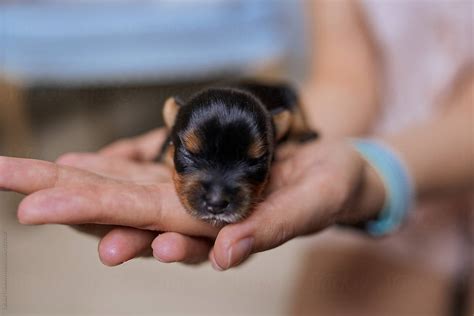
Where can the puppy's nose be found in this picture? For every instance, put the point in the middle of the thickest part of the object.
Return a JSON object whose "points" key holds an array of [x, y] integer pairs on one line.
{"points": [[216, 201]]}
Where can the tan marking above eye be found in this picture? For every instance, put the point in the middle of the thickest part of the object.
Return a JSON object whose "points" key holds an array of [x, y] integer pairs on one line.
{"points": [[192, 141], [256, 149]]}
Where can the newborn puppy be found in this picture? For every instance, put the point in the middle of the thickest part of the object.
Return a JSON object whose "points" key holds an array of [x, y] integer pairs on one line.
{"points": [[221, 143]]}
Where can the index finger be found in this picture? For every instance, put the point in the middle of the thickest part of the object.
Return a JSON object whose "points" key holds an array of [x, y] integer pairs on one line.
{"points": [[64, 195], [152, 207]]}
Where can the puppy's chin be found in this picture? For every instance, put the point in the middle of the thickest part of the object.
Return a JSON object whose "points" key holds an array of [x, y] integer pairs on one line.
{"points": [[220, 220], [215, 221]]}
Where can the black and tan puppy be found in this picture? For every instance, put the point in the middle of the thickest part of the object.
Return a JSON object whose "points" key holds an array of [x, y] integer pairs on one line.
{"points": [[222, 141]]}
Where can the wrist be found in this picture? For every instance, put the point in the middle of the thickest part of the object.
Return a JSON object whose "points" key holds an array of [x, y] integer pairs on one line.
{"points": [[397, 183]]}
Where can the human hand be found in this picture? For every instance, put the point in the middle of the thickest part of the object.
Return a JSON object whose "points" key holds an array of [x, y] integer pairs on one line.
{"points": [[312, 187], [130, 160], [118, 161], [316, 168], [332, 170]]}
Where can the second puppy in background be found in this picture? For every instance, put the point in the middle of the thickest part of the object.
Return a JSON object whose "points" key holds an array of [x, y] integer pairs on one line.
{"points": [[222, 142]]}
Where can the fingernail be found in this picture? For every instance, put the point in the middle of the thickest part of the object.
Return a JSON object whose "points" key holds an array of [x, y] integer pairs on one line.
{"points": [[214, 264], [239, 252]]}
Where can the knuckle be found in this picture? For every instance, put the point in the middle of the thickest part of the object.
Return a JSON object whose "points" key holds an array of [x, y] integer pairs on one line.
{"points": [[283, 232]]}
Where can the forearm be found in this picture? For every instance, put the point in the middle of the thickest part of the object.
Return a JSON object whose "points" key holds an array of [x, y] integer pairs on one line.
{"points": [[340, 96], [439, 153]]}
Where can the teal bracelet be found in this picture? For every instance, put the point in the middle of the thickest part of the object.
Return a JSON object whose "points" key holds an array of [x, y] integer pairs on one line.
{"points": [[397, 181]]}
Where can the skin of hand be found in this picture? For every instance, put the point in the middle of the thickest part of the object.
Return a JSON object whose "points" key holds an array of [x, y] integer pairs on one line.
{"points": [[130, 160], [120, 160], [328, 179]]}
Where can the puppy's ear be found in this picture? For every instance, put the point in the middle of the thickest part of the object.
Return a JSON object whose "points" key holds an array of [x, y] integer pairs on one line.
{"points": [[282, 123], [170, 110]]}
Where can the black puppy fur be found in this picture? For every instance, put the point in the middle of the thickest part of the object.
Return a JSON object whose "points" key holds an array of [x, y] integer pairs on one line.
{"points": [[222, 142]]}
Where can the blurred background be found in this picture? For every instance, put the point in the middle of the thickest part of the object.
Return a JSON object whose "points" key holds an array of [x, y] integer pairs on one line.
{"points": [[76, 75]]}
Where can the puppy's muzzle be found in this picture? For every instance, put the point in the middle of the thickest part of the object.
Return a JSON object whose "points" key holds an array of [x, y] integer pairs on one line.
{"points": [[215, 200]]}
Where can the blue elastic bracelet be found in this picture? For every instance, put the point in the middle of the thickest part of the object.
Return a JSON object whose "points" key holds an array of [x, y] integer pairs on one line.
{"points": [[397, 182]]}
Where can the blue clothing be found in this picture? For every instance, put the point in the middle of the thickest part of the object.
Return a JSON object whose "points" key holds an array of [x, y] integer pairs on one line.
{"points": [[70, 43]]}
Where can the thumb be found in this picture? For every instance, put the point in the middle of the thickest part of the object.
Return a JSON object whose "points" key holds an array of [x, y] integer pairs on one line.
{"points": [[275, 221]]}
